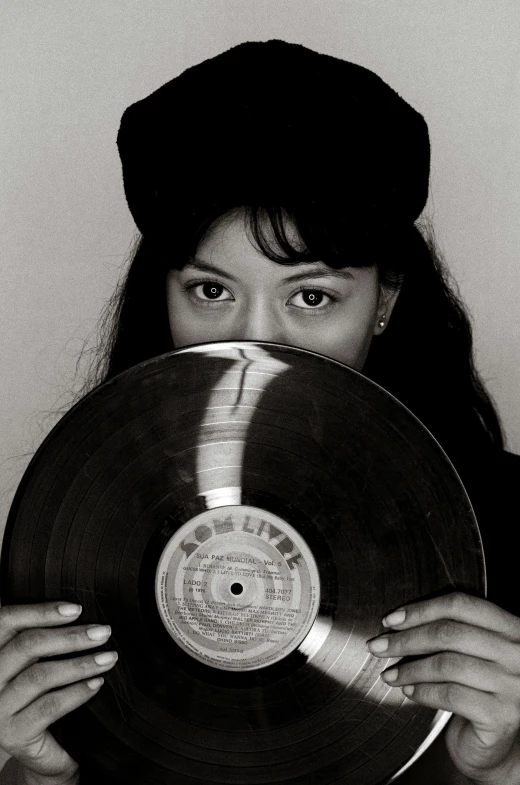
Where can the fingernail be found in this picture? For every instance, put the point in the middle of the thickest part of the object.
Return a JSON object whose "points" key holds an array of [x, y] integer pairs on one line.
{"points": [[408, 690], [105, 657], [396, 617], [390, 674], [95, 683], [98, 632], [378, 645], [69, 609]]}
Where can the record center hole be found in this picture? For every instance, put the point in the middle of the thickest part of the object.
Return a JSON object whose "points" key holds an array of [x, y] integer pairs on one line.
{"points": [[236, 588]]}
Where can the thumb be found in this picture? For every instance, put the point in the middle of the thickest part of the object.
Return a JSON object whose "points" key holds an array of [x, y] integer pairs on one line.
{"points": [[473, 749], [43, 758]]}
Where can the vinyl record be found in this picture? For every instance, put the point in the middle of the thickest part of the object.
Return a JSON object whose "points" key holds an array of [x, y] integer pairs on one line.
{"points": [[242, 515]]}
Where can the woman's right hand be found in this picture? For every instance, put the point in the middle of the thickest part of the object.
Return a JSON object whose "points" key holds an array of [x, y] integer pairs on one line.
{"points": [[34, 694]]}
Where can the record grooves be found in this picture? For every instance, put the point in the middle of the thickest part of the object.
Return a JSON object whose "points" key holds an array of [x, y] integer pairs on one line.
{"points": [[242, 515]]}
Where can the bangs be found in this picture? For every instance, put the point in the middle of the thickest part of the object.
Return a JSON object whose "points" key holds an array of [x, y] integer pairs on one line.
{"points": [[294, 235], [313, 233], [336, 234]]}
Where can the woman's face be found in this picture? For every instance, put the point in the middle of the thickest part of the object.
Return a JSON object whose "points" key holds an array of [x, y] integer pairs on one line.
{"points": [[230, 291]]}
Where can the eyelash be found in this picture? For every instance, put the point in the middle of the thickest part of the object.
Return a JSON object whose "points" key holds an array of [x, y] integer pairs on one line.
{"points": [[318, 308], [190, 286]]}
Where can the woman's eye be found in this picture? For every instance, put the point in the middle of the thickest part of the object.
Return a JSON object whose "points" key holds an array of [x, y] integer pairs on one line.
{"points": [[211, 290], [310, 298]]}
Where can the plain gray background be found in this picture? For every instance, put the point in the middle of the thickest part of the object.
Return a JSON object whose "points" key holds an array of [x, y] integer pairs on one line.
{"points": [[68, 70]]}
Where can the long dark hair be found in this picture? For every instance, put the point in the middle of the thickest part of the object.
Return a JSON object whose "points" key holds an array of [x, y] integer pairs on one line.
{"points": [[424, 357]]}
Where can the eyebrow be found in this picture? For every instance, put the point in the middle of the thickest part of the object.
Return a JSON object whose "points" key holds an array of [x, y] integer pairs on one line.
{"points": [[314, 273]]}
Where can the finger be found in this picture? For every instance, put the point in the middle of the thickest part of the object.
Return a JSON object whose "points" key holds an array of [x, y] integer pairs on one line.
{"points": [[26, 736], [458, 607], [53, 705], [456, 668], [45, 676], [15, 618], [28, 646], [492, 718], [448, 635]]}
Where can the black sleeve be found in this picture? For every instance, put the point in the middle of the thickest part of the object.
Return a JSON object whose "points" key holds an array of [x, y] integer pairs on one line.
{"points": [[495, 500]]}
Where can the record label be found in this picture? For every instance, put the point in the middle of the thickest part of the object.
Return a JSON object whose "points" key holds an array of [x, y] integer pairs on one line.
{"points": [[237, 588]]}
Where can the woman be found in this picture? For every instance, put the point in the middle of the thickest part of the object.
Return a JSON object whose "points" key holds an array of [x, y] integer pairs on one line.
{"points": [[276, 191]]}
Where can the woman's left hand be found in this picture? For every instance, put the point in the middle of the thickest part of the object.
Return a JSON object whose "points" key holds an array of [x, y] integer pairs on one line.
{"points": [[469, 664]]}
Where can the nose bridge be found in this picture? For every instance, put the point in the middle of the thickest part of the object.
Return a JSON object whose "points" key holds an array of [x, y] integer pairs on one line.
{"points": [[261, 322]]}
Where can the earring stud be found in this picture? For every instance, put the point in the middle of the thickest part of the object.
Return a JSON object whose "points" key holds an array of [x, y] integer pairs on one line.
{"points": [[381, 322]]}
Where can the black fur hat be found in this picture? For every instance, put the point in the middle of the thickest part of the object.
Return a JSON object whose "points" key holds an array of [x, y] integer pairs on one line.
{"points": [[275, 123]]}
